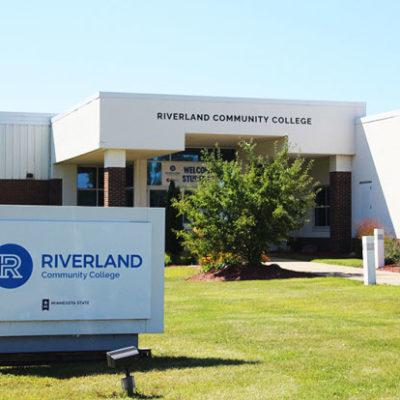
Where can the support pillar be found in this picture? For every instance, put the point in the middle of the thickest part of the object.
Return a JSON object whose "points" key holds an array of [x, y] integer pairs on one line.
{"points": [[340, 204], [140, 183], [114, 178]]}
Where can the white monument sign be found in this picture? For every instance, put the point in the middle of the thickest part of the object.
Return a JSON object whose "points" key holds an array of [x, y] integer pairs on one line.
{"points": [[81, 270]]}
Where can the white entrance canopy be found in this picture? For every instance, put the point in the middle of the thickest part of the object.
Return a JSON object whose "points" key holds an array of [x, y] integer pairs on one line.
{"points": [[150, 125]]}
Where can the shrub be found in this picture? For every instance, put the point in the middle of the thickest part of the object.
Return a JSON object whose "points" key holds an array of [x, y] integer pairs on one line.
{"points": [[392, 250], [218, 261], [173, 223], [167, 259], [242, 206], [184, 258], [366, 227]]}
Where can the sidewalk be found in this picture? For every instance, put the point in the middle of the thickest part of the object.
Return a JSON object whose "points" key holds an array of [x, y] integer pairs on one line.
{"points": [[382, 277]]}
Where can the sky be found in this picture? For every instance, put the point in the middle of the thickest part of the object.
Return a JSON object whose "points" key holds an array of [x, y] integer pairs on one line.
{"points": [[55, 53]]}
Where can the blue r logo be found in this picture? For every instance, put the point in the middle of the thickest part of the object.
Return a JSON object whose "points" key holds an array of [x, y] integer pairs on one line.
{"points": [[15, 266]]}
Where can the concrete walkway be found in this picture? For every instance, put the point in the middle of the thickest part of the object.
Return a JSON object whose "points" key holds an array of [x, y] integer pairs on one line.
{"points": [[382, 277]]}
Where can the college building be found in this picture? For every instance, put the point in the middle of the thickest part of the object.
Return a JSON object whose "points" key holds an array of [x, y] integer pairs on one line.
{"points": [[122, 149]]}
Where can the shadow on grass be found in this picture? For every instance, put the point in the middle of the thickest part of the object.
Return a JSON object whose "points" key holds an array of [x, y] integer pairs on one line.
{"points": [[73, 370], [137, 395]]}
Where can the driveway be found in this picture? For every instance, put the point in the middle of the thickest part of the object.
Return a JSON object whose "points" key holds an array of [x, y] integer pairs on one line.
{"points": [[382, 277]]}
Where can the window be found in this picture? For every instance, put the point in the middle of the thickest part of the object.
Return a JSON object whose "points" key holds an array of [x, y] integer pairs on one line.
{"points": [[187, 155], [90, 183], [154, 173], [322, 208], [195, 155], [129, 186]]}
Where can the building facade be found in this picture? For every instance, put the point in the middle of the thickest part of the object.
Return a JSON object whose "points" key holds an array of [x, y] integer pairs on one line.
{"points": [[121, 149]]}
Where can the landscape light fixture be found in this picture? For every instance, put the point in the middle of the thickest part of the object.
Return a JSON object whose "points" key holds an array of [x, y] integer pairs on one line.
{"points": [[123, 360]]}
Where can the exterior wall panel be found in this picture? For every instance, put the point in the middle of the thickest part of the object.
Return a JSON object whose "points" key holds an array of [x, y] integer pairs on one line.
{"points": [[24, 148], [375, 178], [77, 132]]}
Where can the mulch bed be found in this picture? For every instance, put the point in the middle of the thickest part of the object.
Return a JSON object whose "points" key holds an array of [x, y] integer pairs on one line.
{"points": [[262, 272], [390, 268]]}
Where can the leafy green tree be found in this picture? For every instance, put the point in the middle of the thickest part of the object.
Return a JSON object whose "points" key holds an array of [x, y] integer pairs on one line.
{"points": [[241, 207], [173, 222]]}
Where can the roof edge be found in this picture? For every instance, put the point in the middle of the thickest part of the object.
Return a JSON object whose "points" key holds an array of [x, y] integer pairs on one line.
{"points": [[379, 117], [15, 117], [147, 96], [77, 106]]}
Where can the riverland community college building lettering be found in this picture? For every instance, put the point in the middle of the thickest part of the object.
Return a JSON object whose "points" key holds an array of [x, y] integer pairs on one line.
{"points": [[122, 149]]}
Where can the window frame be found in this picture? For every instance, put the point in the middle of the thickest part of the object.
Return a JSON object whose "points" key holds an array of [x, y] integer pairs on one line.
{"points": [[99, 189], [326, 207]]}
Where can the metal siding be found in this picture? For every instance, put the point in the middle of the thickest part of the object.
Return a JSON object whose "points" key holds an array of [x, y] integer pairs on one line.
{"points": [[24, 148], [2, 152]]}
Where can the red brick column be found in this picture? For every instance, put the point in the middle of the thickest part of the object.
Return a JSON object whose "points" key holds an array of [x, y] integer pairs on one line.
{"points": [[114, 187], [340, 212]]}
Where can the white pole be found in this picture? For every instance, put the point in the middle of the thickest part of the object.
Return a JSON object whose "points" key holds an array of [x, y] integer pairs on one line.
{"points": [[379, 243], [369, 260]]}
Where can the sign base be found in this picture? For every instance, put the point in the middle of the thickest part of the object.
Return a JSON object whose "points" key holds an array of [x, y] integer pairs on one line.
{"points": [[66, 343]]}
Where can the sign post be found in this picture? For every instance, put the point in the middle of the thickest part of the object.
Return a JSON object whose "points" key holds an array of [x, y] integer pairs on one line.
{"points": [[379, 243], [369, 260]]}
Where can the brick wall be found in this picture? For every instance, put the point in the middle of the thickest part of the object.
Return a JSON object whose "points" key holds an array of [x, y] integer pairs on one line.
{"points": [[114, 187], [340, 206], [31, 192]]}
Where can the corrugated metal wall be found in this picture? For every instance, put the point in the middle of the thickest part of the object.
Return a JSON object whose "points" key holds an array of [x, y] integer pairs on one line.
{"points": [[24, 148]]}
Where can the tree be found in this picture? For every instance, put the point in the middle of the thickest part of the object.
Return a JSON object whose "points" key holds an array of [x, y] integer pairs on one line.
{"points": [[173, 222], [241, 207]]}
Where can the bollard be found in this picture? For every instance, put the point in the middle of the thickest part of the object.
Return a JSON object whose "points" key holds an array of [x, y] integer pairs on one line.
{"points": [[128, 384], [369, 260], [379, 243]]}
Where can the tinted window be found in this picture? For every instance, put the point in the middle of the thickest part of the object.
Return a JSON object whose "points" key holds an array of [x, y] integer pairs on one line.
{"points": [[87, 178], [154, 173], [87, 197]]}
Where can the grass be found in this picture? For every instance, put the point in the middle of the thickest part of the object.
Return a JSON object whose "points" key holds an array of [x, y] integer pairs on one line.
{"points": [[320, 338], [344, 261]]}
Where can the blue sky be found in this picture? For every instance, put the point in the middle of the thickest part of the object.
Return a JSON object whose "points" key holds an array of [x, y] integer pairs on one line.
{"points": [[55, 53]]}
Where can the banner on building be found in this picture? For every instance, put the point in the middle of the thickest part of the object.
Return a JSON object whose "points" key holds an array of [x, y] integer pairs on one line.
{"points": [[184, 173]]}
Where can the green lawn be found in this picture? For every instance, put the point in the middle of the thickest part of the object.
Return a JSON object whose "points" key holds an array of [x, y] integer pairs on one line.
{"points": [[347, 262], [322, 338]]}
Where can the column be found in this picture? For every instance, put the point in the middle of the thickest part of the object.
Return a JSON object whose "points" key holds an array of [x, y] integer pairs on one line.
{"points": [[140, 180], [114, 178], [340, 204]]}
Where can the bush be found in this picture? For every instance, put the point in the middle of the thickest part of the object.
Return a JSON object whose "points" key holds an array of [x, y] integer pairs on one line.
{"points": [[392, 251], [167, 259], [242, 206], [173, 223], [364, 228], [185, 259], [216, 262]]}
